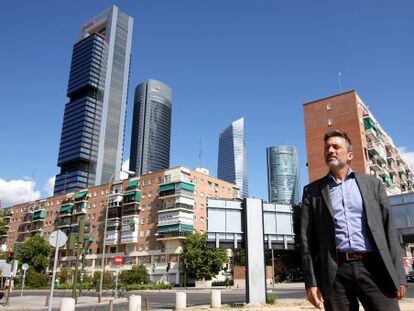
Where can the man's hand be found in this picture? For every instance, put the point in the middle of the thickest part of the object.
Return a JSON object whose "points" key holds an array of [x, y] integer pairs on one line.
{"points": [[315, 296], [401, 292]]}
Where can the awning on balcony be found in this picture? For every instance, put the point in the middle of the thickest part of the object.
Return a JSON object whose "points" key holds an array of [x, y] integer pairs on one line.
{"points": [[369, 123], [172, 228], [187, 186], [133, 183], [167, 187], [66, 208], [135, 193], [80, 195], [39, 214]]}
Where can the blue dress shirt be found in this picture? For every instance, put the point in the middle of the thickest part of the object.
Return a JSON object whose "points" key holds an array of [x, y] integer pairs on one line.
{"points": [[351, 230]]}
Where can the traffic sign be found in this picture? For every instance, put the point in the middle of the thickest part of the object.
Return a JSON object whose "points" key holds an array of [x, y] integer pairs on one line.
{"points": [[58, 238], [25, 266], [118, 260]]}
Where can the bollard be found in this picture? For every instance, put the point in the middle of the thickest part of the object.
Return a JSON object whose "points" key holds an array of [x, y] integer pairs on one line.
{"points": [[67, 304], [215, 299], [146, 304], [134, 303], [111, 305], [47, 301], [180, 301]]}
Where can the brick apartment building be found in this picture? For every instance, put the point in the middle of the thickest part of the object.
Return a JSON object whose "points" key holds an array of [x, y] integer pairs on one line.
{"points": [[148, 217], [375, 152]]}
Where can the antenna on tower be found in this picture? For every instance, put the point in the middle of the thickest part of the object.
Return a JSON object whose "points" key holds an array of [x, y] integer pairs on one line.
{"points": [[200, 153], [340, 81]]}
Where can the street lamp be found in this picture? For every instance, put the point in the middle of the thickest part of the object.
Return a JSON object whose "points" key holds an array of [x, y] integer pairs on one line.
{"points": [[104, 232]]}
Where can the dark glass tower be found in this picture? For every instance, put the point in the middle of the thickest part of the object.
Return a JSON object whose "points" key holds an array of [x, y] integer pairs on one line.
{"points": [[151, 128], [232, 158], [91, 144], [283, 174]]}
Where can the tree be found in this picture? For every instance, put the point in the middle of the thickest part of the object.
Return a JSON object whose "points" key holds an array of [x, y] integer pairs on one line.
{"points": [[201, 262], [137, 275], [35, 252]]}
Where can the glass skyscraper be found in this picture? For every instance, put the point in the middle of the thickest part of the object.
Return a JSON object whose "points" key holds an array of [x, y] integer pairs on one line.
{"points": [[91, 144], [283, 174], [151, 128], [232, 158]]}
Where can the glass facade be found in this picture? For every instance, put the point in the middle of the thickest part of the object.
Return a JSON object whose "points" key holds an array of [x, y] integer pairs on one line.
{"points": [[91, 144], [151, 128], [232, 157], [283, 174]]}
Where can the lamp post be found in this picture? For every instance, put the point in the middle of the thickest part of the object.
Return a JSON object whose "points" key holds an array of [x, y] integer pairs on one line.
{"points": [[104, 233]]}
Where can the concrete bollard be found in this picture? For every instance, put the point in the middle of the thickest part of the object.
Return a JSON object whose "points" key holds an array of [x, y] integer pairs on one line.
{"points": [[215, 299], [134, 303], [67, 304], [180, 301]]}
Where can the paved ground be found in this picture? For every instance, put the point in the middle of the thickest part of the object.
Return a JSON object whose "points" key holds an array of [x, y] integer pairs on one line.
{"points": [[290, 296]]}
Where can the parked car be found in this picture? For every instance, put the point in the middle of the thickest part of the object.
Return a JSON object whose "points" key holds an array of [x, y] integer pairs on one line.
{"points": [[410, 276]]}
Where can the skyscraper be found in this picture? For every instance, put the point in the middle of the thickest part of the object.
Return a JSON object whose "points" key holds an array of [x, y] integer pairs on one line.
{"points": [[232, 158], [151, 128], [283, 174], [374, 150], [91, 144]]}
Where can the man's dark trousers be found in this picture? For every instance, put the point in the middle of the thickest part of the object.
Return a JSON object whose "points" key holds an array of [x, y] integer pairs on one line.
{"points": [[366, 279]]}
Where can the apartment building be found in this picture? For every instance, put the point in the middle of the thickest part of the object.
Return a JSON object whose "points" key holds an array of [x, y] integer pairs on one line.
{"points": [[375, 152], [148, 218]]}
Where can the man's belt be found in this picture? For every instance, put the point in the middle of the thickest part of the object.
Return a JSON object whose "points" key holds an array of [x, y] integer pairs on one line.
{"points": [[352, 256]]}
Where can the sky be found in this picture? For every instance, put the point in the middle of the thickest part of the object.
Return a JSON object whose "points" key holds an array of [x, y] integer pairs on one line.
{"points": [[260, 60]]}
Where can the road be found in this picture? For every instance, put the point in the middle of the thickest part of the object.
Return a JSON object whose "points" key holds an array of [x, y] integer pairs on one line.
{"points": [[165, 299]]}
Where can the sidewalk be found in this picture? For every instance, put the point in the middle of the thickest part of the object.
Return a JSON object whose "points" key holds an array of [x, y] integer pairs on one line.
{"points": [[38, 302], [292, 305]]}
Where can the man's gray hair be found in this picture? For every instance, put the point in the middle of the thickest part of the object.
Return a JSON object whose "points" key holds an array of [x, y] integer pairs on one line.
{"points": [[337, 133]]}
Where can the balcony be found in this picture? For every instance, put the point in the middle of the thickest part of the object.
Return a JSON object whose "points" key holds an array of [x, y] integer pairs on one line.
{"points": [[131, 209], [112, 237], [371, 134], [172, 235], [39, 215], [131, 197], [115, 200], [129, 236], [66, 210], [7, 213], [176, 189], [28, 218], [63, 224], [80, 208], [80, 196], [369, 123]]}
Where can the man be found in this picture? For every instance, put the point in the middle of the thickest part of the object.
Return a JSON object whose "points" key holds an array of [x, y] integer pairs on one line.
{"points": [[350, 249]]}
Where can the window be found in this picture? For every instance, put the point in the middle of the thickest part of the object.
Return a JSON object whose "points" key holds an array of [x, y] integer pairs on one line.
{"points": [[330, 122], [328, 107], [144, 182], [150, 182]]}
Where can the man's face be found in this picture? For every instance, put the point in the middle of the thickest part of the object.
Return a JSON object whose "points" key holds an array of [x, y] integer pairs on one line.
{"points": [[336, 153]]}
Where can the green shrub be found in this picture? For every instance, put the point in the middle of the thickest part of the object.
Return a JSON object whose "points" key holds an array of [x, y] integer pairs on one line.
{"points": [[35, 279], [223, 283], [137, 275], [108, 280], [146, 286], [271, 299]]}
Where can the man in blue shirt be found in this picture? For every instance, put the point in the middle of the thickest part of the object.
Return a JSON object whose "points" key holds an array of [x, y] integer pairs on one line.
{"points": [[350, 249]]}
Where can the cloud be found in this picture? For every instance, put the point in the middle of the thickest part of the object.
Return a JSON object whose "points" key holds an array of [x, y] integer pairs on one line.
{"points": [[49, 186], [408, 156], [125, 167], [17, 191]]}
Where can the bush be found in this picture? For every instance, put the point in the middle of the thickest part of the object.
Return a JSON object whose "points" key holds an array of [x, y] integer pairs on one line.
{"points": [[223, 283], [108, 280], [271, 299], [137, 275], [36, 280], [146, 286]]}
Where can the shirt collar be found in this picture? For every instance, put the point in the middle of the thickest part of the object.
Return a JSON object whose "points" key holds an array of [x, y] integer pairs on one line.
{"points": [[349, 174]]}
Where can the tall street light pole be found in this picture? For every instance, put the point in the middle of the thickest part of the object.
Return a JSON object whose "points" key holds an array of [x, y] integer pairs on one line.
{"points": [[104, 233]]}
